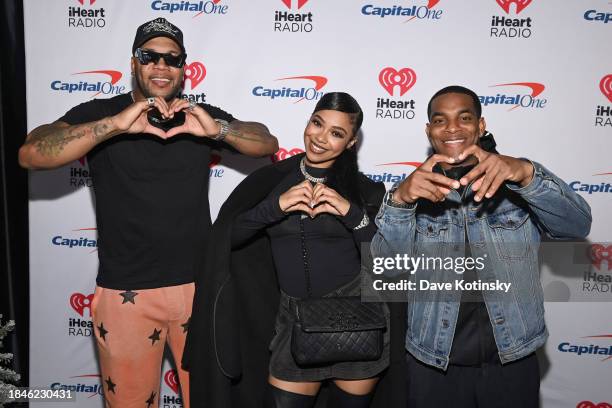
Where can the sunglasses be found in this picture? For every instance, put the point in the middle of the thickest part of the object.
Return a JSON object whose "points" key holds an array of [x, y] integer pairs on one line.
{"points": [[145, 57]]}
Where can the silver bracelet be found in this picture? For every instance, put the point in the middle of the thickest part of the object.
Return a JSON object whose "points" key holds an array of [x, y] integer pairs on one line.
{"points": [[365, 221], [223, 131]]}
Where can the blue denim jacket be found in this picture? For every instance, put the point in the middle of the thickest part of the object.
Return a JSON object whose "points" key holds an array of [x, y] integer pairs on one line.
{"points": [[507, 228]]}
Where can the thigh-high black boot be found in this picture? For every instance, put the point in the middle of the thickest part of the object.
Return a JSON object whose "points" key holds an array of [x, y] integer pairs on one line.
{"points": [[277, 398]]}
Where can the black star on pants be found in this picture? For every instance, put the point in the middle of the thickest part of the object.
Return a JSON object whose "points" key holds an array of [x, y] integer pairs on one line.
{"points": [[151, 400], [155, 336], [185, 325], [102, 331], [110, 385], [128, 296]]}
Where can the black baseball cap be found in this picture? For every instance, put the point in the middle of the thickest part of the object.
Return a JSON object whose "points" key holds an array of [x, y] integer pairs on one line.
{"points": [[160, 27]]}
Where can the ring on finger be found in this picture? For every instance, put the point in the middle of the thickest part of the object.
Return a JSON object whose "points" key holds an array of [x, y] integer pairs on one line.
{"points": [[150, 101], [192, 106]]}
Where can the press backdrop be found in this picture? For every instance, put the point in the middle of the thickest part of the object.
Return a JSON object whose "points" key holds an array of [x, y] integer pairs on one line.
{"points": [[543, 69]]}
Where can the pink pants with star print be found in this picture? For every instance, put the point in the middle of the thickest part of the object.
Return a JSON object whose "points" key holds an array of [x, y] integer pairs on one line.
{"points": [[132, 329]]}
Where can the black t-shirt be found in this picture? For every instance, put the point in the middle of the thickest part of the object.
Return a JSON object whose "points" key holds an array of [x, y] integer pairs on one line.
{"points": [[473, 342], [151, 199]]}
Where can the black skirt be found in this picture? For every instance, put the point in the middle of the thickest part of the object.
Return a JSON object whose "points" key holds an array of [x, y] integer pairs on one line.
{"points": [[282, 364]]}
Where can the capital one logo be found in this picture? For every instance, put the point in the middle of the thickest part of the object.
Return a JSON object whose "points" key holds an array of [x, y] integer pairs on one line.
{"points": [[605, 85], [390, 78], [389, 176], [283, 154], [517, 100], [598, 254], [195, 73], [520, 5], [300, 3], [603, 336], [80, 302], [590, 404], [413, 164], [108, 87], [430, 4], [171, 379]]}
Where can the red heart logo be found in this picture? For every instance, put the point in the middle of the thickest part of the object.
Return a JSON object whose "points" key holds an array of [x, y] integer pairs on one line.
{"points": [[599, 253], [389, 77], [520, 5], [195, 73], [80, 302], [300, 3], [589, 404], [606, 86], [283, 154], [214, 160], [172, 381]]}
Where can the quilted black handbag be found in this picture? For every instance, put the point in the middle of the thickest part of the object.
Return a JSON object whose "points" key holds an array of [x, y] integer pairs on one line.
{"points": [[335, 329]]}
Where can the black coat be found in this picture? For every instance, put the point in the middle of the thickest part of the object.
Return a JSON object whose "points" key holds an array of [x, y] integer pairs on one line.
{"points": [[236, 302]]}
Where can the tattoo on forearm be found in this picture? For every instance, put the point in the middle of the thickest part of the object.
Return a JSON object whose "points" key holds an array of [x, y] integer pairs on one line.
{"points": [[250, 131], [51, 140], [101, 131]]}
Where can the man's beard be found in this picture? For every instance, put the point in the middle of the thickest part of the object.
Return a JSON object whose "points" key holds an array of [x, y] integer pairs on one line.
{"points": [[145, 92]]}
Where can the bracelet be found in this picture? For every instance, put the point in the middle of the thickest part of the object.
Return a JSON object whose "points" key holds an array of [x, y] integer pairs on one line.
{"points": [[365, 221], [391, 202], [223, 131]]}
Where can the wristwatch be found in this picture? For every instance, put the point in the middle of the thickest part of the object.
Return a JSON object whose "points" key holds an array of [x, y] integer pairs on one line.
{"points": [[392, 203], [223, 131]]}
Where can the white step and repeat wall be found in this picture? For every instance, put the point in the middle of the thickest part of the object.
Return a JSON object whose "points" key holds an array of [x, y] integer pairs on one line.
{"points": [[542, 67]]}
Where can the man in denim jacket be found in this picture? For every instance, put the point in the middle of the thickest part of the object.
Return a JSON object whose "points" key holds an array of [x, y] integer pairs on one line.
{"points": [[475, 348]]}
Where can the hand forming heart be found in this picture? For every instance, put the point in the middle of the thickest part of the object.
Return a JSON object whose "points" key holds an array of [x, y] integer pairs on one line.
{"points": [[198, 122], [313, 200]]}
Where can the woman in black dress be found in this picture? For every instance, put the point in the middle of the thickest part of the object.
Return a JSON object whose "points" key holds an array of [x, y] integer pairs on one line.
{"points": [[316, 217]]}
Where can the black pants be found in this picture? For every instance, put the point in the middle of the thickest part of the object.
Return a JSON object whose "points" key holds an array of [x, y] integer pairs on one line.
{"points": [[512, 385]]}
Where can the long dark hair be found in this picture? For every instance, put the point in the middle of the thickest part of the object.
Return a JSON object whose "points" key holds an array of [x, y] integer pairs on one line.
{"points": [[344, 173]]}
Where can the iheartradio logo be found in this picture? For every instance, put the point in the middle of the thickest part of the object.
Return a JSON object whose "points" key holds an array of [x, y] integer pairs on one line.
{"points": [[79, 302], [520, 5], [589, 404], [171, 379], [598, 254], [283, 154], [214, 160], [300, 3], [195, 73], [82, 2], [389, 78], [605, 85]]}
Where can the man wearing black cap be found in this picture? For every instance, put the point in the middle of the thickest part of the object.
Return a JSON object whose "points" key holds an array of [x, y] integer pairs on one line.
{"points": [[148, 152]]}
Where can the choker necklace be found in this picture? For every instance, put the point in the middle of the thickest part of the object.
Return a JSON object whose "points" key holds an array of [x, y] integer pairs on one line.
{"points": [[308, 176]]}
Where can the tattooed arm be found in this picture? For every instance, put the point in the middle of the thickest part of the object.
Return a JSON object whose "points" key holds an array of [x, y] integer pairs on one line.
{"points": [[56, 144], [251, 138]]}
